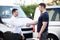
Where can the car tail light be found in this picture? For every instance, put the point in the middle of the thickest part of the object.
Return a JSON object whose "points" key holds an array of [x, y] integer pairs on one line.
{"points": [[33, 26]]}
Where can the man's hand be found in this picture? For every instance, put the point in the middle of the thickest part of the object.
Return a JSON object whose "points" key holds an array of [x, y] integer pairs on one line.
{"points": [[23, 37], [39, 35], [28, 24]]}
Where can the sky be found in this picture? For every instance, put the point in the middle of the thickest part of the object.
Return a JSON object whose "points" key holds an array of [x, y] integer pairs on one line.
{"points": [[23, 2], [28, 2]]}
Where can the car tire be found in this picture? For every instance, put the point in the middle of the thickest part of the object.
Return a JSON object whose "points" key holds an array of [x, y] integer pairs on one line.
{"points": [[52, 37], [1, 35]]}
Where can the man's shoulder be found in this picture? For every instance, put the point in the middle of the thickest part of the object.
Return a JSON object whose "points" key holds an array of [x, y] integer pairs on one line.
{"points": [[46, 13]]}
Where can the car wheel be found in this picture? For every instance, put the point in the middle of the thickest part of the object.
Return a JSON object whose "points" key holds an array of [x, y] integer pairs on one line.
{"points": [[52, 37], [1, 35]]}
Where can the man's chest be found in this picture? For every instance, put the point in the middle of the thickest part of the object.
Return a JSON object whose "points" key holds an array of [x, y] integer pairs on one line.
{"points": [[40, 18]]}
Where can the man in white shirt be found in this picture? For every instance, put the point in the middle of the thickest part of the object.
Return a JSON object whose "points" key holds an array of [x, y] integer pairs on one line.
{"points": [[15, 28]]}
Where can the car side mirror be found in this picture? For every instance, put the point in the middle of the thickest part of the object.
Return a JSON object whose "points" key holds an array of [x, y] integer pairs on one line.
{"points": [[30, 17]]}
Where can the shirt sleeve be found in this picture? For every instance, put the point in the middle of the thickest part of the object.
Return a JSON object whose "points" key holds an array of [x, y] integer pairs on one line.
{"points": [[21, 32], [45, 18]]}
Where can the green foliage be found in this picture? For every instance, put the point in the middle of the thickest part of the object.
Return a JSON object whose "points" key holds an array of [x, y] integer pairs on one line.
{"points": [[29, 9], [54, 2]]}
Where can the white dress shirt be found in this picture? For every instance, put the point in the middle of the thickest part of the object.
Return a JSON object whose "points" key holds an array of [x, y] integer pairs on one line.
{"points": [[15, 28]]}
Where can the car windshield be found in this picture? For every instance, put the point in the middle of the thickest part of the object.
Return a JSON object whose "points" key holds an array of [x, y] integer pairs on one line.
{"points": [[54, 14], [6, 11]]}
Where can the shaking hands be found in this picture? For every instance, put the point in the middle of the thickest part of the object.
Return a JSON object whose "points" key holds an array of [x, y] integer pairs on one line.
{"points": [[28, 24]]}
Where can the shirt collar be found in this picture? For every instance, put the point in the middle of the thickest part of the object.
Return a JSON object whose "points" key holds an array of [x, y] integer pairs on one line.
{"points": [[13, 16]]}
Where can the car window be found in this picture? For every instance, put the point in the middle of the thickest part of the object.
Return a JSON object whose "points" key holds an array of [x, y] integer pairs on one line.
{"points": [[6, 11], [54, 14]]}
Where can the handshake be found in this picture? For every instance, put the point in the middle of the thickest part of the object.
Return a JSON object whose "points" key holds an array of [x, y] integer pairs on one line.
{"points": [[28, 24]]}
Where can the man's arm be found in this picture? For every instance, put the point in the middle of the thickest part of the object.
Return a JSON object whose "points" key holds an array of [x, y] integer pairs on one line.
{"points": [[45, 19], [32, 23], [43, 27], [21, 33]]}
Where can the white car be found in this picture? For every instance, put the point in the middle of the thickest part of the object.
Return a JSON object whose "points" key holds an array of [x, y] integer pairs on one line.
{"points": [[6, 13], [54, 21]]}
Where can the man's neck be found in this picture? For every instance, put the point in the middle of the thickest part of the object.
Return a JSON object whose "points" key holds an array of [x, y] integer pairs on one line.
{"points": [[44, 11], [13, 15]]}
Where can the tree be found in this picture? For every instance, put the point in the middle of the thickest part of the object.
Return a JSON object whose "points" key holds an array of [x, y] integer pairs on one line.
{"points": [[30, 9]]}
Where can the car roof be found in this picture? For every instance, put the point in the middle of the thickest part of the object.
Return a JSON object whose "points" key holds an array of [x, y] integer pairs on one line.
{"points": [[49, 7], [9, 5]]}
